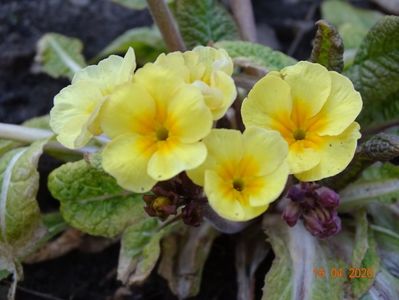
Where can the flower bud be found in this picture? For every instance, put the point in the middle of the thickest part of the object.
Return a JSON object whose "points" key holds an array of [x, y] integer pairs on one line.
{"points": [[322, 223], [291, 213], [327, 197], [159, 206]]}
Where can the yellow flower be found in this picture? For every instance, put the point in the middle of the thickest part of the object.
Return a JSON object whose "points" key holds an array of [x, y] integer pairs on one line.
{"points": [[243, 173], [210, 70], [156, 124], [314, 110], [74, 116]]}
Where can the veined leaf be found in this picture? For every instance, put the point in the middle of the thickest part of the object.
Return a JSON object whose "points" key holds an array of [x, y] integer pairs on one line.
{"points": [[375, 72], [91, 200], [140, 249], [184, 254], [352, 23], [379, 182], [257, 54], [146, 42], [302, 266], [59, 55], [204, 21], [328, 48]]}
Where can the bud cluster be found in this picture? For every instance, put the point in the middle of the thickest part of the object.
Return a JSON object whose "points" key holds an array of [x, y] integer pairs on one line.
{"points": [[180, 192], [316, 205]]}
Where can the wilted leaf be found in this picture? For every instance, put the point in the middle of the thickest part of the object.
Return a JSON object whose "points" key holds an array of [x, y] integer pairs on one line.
{"points": [[257, 54], [301, 268], [328, 48], [377, 65], [91, 200], [140, 250], [364, 255], [251, 250], [184, 254], [379, 182], [204, 21], [146, 42], [352, 23], [59, 55]]}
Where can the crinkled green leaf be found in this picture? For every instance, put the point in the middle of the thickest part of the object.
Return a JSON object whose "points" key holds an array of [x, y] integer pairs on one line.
{"points": [[379, 182], [375, 72], [59, 55], [146, 42], [328, 48], [92, 201], [204, 21], [364, 255], [352, 23], [184, 254], [299, 256], [140, 250], [257, 54]]}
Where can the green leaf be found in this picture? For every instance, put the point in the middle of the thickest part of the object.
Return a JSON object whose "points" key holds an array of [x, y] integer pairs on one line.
{"points": [[204, 21], [146, 42], [4, 274], [379, 182], [91, 200], [257, 54], [375, 72], [352, 23], [20, 218], [132, 4], [364, 255], [299, 258], [385, 286], [59, 55], [140, 250], [184, 254], [328, 48]]}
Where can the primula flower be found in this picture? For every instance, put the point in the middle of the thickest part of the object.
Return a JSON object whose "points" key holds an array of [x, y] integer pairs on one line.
{"points": [[210, 70], [74, 116], [243, 173], [156, 124], [314, 110]]}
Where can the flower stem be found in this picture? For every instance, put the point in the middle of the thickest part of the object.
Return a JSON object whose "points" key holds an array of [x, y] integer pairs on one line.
{"points": [[244, 15], [164, 19], [27, 135]]}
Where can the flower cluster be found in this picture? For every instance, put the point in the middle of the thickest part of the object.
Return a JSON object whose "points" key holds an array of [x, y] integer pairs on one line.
{"points": [[159, 122]]}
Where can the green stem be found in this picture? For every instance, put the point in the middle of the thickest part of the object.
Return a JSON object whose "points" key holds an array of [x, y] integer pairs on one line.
{"points": [[27, 135], [244, 15], [166, 23]]}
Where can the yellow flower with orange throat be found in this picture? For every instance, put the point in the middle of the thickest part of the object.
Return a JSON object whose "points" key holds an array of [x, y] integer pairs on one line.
{"points": [[208, 69], [314, 111], [243, 173], [156, 124]]}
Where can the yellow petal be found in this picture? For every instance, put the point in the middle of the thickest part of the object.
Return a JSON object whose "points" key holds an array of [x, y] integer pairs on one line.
{"points": [[336, 153], [302, 156], [270, 186], [75, 109], [267, 148], [161, 83], [222, 94], [188, 118], [224, 148], [126, 158], [130, 109], [341, 109], [310, 86], [226, 202], [215, 59], [173, 157], [268, 103], [175, 62], [110, 72]]}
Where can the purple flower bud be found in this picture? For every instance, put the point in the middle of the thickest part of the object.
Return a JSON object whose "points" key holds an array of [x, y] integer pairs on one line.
{"points": [[322, 223], [161, 207], [327, 197], [291, 213], [296, 193]]}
